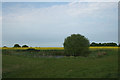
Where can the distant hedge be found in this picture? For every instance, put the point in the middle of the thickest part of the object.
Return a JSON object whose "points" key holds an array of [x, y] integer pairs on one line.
{"points": [[103, 44]]}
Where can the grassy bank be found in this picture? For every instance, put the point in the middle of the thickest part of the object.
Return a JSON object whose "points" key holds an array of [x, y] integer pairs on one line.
{"points": [[19, 66]]}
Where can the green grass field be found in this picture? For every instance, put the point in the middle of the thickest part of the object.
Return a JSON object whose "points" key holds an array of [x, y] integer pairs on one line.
{"points": [[19, 66]]}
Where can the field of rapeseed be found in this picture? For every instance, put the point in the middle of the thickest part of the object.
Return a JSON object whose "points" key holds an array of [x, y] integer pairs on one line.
{"points": [[55, 48]]}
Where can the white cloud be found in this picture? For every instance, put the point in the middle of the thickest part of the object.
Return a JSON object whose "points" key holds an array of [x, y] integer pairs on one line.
{"points": [[57, 12]]}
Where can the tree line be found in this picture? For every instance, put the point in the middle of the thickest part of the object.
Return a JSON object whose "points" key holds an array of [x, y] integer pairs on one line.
{"points": [[77, 45], [17, 45], [104, 44], [92, 44]]}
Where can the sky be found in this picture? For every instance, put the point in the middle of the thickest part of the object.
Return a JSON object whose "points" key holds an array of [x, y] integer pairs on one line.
{"points": [[0, 22], [47, 24]]}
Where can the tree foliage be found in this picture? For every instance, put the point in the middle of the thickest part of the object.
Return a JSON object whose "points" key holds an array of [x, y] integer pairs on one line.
{"points": [[103, 44], [24, 46], [76, 45], [17, 45], [4, 46]]}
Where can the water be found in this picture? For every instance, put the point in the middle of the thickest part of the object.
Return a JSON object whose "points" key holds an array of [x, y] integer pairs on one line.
{"points": [[49, 56]]}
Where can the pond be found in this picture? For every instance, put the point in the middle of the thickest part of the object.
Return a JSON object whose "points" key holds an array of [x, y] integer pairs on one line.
{"points": [[50, 56]]}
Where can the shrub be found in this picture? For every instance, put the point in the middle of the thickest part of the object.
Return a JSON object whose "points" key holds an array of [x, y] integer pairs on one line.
{"points": [[76, 45], [32, 49]]}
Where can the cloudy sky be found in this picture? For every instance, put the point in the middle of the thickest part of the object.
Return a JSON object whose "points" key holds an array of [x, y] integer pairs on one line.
{"points": [[47, 24], [0, 24]]}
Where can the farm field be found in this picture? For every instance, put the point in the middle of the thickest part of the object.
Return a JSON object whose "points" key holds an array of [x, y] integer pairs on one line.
{"points": [[55, 48], [63, 39], [18, 63]]}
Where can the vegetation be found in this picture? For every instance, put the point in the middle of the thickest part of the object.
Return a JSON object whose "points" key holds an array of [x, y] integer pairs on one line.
{"points": [[17, 45], [4, 46], [28, 64], [103, 44], [24, 46], [52, 62], [56, 48], [34, 52], [76, 45]]}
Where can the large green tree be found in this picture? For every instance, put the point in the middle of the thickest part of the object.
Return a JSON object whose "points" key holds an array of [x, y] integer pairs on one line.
{"points": [[76, 45]]}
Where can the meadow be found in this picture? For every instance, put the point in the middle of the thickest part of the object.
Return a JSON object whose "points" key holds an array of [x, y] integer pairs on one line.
{"points": [[20, 63]]}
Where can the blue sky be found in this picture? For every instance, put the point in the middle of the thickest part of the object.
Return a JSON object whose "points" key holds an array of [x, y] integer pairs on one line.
{"points": [[47, 24]]}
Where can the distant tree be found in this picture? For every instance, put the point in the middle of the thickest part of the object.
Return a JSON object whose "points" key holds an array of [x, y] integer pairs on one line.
{"points": [[103, 44], [24, 46], [93, 44], [4, 46], [100, 44], [111, 44], [76, 45], [17, 45]]}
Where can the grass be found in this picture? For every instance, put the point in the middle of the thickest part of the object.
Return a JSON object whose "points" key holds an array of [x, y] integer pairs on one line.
{"points": [[19, 66]]}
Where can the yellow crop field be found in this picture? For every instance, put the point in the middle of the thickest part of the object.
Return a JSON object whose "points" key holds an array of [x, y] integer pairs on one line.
{"points": [[38, 48], [106, 47], [56, 48]]}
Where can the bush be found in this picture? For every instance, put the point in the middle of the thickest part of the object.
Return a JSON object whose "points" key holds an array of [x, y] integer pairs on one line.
{"points": [[76, 45], [17, 45], [32, 49]]}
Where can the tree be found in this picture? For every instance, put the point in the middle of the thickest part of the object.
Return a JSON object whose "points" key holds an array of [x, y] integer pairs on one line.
{"points": [[4, 46], [103, 44], [24, 46], [17, 45], [76, 45], [93, 44]]}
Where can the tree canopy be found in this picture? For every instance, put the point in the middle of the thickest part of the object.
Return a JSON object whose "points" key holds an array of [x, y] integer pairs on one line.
{"points": [[17, 45], [76, 45], [103, 44]]}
